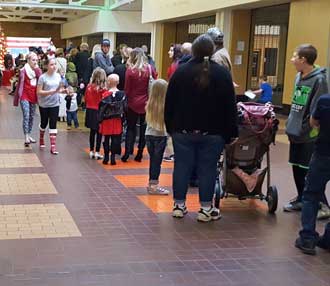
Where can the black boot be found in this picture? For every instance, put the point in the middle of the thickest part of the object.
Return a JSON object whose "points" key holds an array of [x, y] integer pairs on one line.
{"points": [[139, 155], [113, 159], [106, 153]]}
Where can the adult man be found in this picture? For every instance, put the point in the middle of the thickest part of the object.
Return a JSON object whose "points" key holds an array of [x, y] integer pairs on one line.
{"points": [[186, 53], [310, 84], [102, 59], [150, 59], [221, 55], [82, 66], [317, 177]]}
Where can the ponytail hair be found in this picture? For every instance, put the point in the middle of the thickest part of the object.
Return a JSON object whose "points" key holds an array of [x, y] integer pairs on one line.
{"points": [[202, 50]]}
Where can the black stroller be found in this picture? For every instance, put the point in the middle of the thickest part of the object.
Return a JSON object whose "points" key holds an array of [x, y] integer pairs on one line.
{"points": [[240, 171]]}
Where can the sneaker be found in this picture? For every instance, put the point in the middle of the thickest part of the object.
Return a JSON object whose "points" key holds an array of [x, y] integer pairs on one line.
{"points": [[155, 190], [169, 158], [68, 127], [208, 215], [307, 246], [32, 140], [91, 155], [324, 240], [324, 212], [98, 156], [293, 205], [179, 211]]}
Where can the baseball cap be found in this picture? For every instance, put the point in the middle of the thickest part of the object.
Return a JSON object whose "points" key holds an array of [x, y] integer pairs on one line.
{"points": [[105, 42], [215, 34]]}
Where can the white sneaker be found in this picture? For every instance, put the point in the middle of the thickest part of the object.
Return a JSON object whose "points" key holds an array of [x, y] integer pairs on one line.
{"points": [[179, 211], [324, 212], [91, 155], [32, 140], [98, 156], [208, 215], [155, 190]]}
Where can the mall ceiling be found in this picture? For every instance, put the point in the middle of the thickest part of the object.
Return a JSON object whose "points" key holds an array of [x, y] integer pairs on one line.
{"points": [[59, 11]]}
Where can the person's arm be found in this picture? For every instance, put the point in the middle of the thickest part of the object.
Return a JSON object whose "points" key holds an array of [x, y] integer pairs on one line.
{"points": [[314, 123], [128, 84], [316, 115], [170, 100], [258, 91], [102, 63]]}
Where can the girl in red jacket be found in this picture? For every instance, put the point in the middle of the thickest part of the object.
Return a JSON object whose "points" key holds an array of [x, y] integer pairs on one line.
{"points": [[112, 128], [93, 96]]}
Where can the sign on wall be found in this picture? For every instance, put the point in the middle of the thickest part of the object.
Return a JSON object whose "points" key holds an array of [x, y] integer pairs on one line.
{"points": [[17, 45]]}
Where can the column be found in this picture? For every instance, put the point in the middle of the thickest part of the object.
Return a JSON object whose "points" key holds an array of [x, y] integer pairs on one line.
{"points": [[112, 37], [223, 20], [157, 44], [84, 39]]}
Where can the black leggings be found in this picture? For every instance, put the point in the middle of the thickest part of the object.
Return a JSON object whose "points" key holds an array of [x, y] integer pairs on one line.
{"points": [[299, 175], [48, 114], [92, 134], [115, 146]]}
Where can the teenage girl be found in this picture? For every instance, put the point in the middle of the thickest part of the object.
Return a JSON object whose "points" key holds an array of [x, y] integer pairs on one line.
{"points": [[156, 136]]}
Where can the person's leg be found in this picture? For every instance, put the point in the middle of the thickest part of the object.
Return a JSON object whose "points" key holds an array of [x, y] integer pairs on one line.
{"points": [[75, 118], [106, 149], [156, 148], [43, 124], [208, 154], [69, 119], [98, 146], [142, 140], [25, 106], [115, 147], [31, 117], [324, 241], [316, 180], [53, 114], [184, 150], [131, 119]]}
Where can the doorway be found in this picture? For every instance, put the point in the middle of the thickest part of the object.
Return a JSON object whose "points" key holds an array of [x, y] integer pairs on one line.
{"points": [[268, 48]]}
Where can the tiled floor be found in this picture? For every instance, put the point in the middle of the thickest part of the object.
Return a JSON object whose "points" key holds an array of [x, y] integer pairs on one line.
{"points": [[67, 220]]}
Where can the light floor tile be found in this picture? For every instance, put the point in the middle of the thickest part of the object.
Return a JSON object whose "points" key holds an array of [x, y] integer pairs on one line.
{"points": [[19, 161], [12, 144], [37, 221], [26, 184]]}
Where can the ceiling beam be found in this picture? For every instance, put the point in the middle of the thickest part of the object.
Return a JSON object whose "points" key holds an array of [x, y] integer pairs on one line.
{"points": [[42, 14], [52, 5], [33, 21], [119, 3]]}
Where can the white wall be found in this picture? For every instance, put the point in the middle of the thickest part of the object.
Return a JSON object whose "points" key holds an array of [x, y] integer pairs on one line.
{"points": [[106, 21], [160, 10]]}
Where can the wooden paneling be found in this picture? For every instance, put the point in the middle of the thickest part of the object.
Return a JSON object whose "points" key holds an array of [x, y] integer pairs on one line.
{"points": [[169, 37], [12, 29], [241, 26]]}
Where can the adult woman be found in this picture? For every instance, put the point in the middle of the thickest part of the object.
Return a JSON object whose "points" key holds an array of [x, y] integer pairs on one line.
{"points": [[136, 88], [48, 89], [201, 116], [26, 94], [175, 54]]}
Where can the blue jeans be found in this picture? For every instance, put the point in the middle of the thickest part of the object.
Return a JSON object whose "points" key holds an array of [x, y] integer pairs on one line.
{"points": [[72, 116], [317, 177], [204, 152], [156, 147]]}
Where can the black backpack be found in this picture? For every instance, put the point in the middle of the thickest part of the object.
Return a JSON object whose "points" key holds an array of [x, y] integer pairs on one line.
{"points": [[112, 106]]}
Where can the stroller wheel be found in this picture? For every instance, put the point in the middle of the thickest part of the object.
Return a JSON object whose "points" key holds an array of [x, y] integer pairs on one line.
{"points": [[272, 199]]}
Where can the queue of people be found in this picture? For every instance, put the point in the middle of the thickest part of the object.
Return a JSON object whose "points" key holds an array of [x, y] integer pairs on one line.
{"points": [[196, 109]]}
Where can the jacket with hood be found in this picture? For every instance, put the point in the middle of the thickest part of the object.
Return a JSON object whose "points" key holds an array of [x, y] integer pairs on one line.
{"points": [[306, 92], [71, 75], [103, 61]]}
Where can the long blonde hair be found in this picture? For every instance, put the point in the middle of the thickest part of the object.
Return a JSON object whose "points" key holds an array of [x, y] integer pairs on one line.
{"points": [[99, 78], [155, 105], [137, 59]]}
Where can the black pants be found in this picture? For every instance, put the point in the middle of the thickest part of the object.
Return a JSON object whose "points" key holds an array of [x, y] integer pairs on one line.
{"points": [[115, 146], [132, 119], [48, 115], [92, 134]]}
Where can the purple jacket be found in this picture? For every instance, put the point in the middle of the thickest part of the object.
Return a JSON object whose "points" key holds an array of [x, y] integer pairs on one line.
{"points": [[20, 84]]}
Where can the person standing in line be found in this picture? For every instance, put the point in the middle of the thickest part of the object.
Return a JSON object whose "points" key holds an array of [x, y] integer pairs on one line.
{"points": [[201, 116], [48, 90], [137, 80], [310, 84], [112, 128], [174, 54], [61, 62], [93, 96], [316, 180], [102, 59], [149, 57], [82, 67], [26, 94], [156, 135]]}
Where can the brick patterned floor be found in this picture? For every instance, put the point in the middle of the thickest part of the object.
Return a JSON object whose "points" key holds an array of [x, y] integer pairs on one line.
{"points": [[124, 241]]}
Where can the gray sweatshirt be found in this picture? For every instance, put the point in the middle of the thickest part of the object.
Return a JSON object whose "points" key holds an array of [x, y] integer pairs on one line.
{"points": [[103, 61], [305, 95]]}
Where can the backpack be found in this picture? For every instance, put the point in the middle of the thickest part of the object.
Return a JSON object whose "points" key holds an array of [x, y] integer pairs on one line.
{"points": [[112, 106]]}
